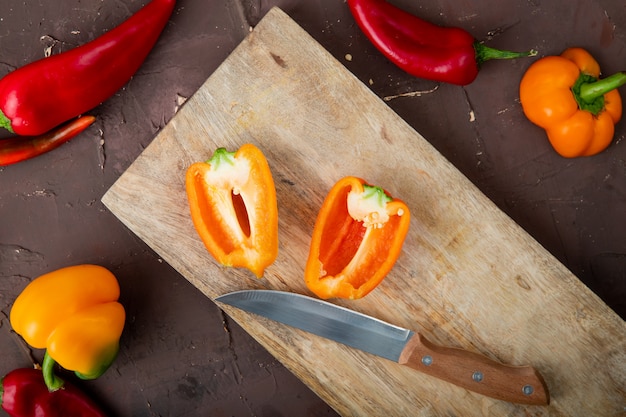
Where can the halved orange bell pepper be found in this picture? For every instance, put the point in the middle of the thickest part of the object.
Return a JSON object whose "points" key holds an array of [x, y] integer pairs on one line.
{"points": [[232, 199], [358, 236], [563, 95], [72, 312]]}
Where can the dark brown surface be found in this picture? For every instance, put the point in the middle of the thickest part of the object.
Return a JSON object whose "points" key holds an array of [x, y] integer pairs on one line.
{"points": [[179, 354]]}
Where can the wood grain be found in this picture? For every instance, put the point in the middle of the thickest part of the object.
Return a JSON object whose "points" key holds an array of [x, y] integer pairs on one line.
{"points": [[468, 276]]}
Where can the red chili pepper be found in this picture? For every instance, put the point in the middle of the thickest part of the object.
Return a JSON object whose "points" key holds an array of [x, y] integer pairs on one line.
{"points": [[43, 94], [23, 393], [20, 148], [425, 50]]}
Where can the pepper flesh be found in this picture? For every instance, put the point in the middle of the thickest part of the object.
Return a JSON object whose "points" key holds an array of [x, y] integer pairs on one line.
{"points": [[232, 200], [73, 313], [45, 93], [562, 94], [425, 50], [17, 149], [23, 393], [357, 238]]}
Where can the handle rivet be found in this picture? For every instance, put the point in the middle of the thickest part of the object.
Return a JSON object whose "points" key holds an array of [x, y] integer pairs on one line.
{"points": [[427, 360], [477, 376], [528, 389]]}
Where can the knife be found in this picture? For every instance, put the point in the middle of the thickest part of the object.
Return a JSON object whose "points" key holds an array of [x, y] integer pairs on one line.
{"points": [[472, 371]]}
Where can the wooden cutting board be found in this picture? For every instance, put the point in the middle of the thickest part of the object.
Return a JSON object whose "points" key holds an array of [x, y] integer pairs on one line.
{"points": [[468, 275]]}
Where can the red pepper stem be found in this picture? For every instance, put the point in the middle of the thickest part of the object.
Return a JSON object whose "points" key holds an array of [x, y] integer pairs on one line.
{"points": [[486, 53], [52, 381], [591, 91]]}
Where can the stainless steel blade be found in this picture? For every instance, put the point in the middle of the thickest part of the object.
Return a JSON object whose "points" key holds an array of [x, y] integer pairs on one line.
{"points": [[323, 319]]}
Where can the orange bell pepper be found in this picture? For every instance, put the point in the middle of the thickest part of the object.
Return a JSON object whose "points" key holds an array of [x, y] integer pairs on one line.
{"points": [[358, 236], [564, 95], [73, 313], [233, 206]]}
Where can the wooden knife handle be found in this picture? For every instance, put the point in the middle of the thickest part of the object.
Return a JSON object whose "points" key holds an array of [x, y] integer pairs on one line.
{"points": [[475, 372]]}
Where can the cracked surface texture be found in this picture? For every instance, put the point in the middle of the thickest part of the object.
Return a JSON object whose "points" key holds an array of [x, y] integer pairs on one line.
{"points": [[180, 355]]}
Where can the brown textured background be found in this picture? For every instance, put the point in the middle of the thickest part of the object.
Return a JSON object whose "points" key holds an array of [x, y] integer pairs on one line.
{"points": [[179, 354]]}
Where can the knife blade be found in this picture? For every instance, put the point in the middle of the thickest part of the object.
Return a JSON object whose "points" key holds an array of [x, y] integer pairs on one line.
{"points": [[470, 370]]}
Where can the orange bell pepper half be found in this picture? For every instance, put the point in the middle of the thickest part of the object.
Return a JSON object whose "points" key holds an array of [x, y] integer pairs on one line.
{"points": [[233, 206], [357, 238], [564, 95]]}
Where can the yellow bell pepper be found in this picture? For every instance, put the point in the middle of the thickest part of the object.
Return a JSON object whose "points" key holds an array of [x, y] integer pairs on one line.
{"points": [[72, 312], [564, 95]]}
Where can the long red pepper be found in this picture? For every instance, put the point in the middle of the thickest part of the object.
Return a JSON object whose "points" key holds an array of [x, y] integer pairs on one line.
{"points": [[43, 94], [425, 50], [17, 149]]}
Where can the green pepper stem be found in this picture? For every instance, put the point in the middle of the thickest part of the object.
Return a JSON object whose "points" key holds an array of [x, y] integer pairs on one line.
{"points": [[221, 156], [485, 53], [52, 381], [5, 122], [591, 91], [381, 197]]}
